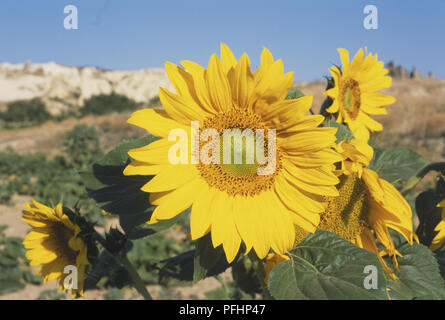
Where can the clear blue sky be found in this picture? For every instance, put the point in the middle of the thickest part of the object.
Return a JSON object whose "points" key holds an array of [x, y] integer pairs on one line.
{"points": [[133, 34]]}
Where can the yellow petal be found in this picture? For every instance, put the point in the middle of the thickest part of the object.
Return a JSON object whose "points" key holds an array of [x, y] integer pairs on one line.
{"points": [[170, 177], [199, 75], [201, 215], [218, 85], [228, 60], [142, 169], [241, 82], [308, 141], [157, 122], [344, 56], [153, 153], [171, 203], [179, 108]]}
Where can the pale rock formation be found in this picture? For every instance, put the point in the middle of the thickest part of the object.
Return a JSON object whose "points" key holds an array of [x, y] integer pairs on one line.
{"points": [[61, 87]]}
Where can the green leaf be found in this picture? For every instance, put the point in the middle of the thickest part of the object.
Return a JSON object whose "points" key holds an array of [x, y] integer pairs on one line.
{"points": [[294, 93], [325, 266], [429, 216], [207, 257], [342, 134], [14, 268], [245, 276], [10, 285], [105, 265], [195, 265], [116, 193], [144, 230], [228, 291], [396, 165], [418, 275], [440, 257], [179, 267], [217, 294]]}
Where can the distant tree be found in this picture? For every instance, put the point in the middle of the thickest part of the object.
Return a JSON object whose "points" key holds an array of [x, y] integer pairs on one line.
{"points": [[106, 103], [30, 111]]}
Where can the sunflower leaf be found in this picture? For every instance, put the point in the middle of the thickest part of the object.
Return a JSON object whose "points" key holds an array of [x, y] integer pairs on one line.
{"points": [[294, 93], [144, 230], [342, 134], [116, 193], [418, 275], [325, 266], [207, 257], [396, 165], [195, 265], [429, 216], [179, 267], [245, 276]]}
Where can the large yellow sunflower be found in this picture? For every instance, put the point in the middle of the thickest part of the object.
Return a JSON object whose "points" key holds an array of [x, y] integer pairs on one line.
{"points": [[233, 201], [439, 239], [53, 243], [355, 93], [366, 207]]}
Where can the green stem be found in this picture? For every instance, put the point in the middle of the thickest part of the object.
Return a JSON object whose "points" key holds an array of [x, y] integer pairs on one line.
{"points": [[261, 274], [137, 281], [436, 166], [223, 283], [123, 260]]}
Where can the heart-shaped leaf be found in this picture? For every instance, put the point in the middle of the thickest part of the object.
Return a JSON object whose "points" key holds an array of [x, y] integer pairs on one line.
{"points": [[325, 266]]}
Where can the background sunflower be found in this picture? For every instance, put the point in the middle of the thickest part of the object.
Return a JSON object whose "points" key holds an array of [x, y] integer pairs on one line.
{"points": [[355, 93], [54, 243]]}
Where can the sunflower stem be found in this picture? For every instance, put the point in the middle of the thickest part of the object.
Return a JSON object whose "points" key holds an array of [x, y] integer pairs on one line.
{"points": [[261, 274], [137, 281], [123, 260], [223, 283]]}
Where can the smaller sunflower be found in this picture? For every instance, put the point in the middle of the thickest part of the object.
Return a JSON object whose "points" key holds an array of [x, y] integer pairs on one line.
{"points": [[439, 239], [54, 243], [355, 93], [367, 206]]}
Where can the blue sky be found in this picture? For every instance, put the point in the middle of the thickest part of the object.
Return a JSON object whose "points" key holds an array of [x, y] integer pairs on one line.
{"points": [[133, 34]]}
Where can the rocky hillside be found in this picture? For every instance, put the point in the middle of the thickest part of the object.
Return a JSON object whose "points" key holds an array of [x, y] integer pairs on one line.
{"points": [[63, 86]]}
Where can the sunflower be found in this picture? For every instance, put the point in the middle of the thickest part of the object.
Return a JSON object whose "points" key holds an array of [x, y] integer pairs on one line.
{"points": [[233, 201], [54, 243], [367, 205], [439, 239], [355, 93]]}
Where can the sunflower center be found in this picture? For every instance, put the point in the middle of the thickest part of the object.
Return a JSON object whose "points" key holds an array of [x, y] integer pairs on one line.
{"points": [[243, 168], [350, 91], [346, 215], [61, 236], [240, 150]]}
